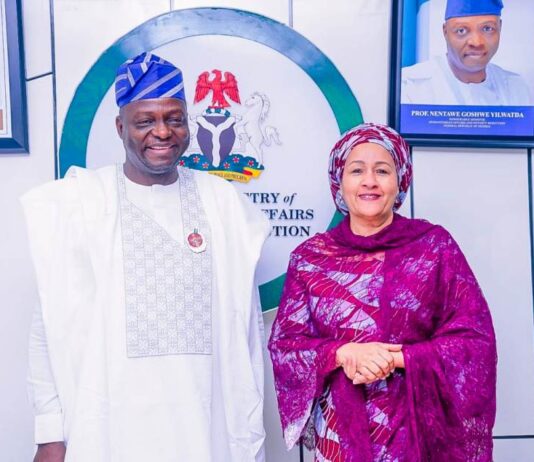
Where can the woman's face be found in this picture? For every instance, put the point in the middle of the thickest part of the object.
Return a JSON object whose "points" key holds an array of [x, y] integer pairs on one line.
{"points": [[369, 184]]}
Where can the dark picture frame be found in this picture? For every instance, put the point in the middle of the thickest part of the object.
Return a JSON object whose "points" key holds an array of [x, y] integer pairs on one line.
{"points": [[15, 142], [459, 125]]}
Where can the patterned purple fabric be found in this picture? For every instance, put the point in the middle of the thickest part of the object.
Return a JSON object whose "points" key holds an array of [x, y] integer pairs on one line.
{"points": [[407, 284], [386, 137]]}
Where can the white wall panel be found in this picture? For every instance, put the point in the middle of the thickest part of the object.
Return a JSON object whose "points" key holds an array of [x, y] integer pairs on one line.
{"points": [[17, 286], [84, 29], [275, 9], [354, 34], [482, 199], [514, 450], [37, 37]]}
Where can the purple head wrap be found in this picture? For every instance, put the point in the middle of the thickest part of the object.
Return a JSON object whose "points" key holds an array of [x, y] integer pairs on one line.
{"points": [[382, 135]]}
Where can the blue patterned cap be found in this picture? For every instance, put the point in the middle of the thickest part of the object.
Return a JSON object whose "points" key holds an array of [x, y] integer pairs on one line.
{"points": [[148, 76], [459, 8]]}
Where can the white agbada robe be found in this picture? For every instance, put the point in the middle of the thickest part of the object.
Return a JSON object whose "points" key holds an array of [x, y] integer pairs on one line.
{"points": [[87, 392], [433, 82]]}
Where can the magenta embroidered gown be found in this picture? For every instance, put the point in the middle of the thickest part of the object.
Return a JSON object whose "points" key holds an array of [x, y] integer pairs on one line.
{"points": [[407, 284]]}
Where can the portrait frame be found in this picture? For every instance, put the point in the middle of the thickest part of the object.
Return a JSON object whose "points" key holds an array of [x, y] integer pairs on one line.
{"points": [[427, 123], [14, 136]]}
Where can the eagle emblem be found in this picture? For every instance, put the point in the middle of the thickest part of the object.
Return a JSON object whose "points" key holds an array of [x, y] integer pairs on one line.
{"points": [[219, 87]]}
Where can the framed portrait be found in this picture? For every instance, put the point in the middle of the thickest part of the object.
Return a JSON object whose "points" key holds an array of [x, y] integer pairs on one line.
{"points": [[13, 116], [462, 72]]}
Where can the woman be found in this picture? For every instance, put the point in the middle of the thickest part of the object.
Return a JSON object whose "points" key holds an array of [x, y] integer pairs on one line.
{"points": [[383, 346]]}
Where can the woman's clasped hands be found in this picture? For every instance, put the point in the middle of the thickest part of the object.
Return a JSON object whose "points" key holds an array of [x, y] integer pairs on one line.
{"points": [[364, 363]]}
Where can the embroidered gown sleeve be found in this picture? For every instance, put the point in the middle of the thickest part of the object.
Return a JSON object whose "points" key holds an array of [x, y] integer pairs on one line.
{"points": [[302, 359], [42, 222], [42, 390], [55, 243], [451, 377]]}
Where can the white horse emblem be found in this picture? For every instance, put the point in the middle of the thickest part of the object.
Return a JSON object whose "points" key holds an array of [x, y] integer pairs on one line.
{"points": [[249, 129]]}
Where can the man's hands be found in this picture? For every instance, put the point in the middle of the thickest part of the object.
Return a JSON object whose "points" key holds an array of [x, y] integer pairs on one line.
{"points": [[50, 452], [365, 363]]}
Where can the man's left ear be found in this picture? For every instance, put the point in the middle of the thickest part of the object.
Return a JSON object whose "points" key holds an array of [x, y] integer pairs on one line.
{"points": [[119, 125]]}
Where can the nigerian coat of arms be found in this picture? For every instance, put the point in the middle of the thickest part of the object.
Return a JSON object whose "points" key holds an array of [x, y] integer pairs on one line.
{"points": [[228, 139]]}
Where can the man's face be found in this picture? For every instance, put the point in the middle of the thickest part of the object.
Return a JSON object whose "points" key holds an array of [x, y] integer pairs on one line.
{"points": [[154, 133], [471, 42]]}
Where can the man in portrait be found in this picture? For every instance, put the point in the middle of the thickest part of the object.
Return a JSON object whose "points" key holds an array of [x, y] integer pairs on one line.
{"points": [[466, 75]]}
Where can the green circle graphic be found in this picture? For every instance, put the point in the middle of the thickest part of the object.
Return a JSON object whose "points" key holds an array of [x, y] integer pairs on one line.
{"points": [[181, 24]]}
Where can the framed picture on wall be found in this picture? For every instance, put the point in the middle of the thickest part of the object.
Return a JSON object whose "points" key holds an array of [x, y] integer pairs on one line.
{"points": [[13, 118], [462, 72]]}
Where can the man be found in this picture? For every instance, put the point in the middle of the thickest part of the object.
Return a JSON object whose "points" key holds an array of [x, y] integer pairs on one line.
{"points": [[147, 343], [465, 76]]}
